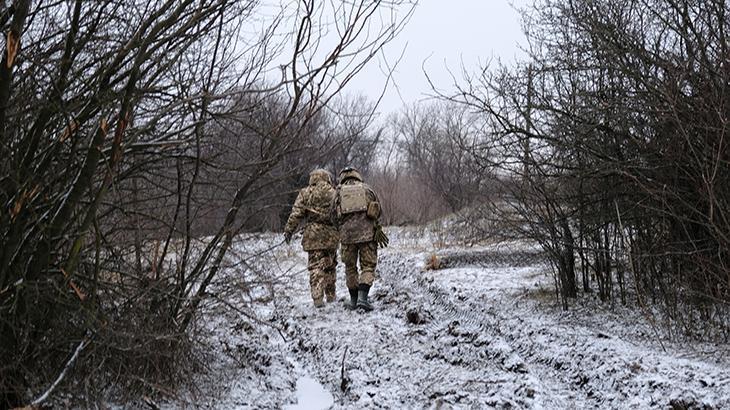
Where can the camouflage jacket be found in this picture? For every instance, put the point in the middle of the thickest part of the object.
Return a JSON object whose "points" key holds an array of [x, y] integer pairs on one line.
{"points": [[313, 207], [356, 227]]}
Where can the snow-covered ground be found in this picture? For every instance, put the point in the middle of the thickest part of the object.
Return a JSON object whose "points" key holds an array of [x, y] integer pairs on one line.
{"points": [[482, 332]]}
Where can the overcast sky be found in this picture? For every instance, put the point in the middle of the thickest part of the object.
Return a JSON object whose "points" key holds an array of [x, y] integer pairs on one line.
{"points": [[444, 34]]}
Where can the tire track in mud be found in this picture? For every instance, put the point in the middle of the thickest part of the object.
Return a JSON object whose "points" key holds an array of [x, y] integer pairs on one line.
{"points": [[481, 319], [579, 367], [469, 331]]}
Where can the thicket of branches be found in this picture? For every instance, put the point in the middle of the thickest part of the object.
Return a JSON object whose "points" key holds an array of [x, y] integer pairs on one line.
{"points": [[610, 146], [422, 172], [128, 129]]}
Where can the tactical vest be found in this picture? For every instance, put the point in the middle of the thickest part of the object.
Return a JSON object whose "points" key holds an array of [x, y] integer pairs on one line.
{"points": [[353, 198]]}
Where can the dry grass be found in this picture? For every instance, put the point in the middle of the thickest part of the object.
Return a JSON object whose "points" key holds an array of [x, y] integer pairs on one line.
{"points": [[542, 294], [433, 262]]}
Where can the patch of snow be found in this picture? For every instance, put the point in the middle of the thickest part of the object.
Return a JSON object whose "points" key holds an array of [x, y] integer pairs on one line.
{"points": [[311, 395]]}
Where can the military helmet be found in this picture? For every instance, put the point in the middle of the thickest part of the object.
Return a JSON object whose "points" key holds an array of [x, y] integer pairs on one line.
{"points": [[349, 172], [320, 175]]}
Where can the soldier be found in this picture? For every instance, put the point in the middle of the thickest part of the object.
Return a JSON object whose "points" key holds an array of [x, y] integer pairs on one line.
{"points": [[320, 237], [357, 211]]}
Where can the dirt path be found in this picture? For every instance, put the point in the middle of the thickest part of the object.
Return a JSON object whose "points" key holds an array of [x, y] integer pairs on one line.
{"points": [[483, 332], [480, 340]]}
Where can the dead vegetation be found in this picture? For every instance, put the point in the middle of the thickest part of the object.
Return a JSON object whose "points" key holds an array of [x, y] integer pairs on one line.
{"points": [[139, 139]]}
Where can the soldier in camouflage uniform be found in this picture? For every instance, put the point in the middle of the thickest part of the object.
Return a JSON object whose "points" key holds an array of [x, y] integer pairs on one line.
{"points": [[320, 238], [357, 211]]}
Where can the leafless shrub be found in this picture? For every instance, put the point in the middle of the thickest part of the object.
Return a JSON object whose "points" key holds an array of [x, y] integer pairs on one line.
{"points": [[618, 115]]}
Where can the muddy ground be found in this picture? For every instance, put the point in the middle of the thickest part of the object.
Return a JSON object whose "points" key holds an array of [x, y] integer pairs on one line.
{"points": [[482, 331]]}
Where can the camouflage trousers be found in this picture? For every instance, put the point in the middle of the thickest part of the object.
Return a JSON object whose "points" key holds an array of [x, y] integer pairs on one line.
{"points": [[322, 276], [367, 253]]}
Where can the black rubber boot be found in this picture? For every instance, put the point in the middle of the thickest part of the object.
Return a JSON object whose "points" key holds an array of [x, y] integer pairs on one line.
{"points": [[352, 304], [362, 298]]}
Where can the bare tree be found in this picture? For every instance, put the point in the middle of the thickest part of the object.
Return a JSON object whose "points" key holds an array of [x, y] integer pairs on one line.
{"points": [[111, 114], [433, 138]]}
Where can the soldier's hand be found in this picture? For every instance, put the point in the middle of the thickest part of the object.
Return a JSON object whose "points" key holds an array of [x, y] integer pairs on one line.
{"points": [[287, 237]]}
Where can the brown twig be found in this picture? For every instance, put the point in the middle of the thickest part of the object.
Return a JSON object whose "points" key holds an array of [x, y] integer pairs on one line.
{"points": [[344, 380]]}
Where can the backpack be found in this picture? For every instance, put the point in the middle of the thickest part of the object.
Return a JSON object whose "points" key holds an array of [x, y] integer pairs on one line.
{"points": [[353, 198]]}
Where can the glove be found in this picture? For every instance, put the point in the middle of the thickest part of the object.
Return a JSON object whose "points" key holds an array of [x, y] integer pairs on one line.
{"points": [[380, 237], [287, 237]]}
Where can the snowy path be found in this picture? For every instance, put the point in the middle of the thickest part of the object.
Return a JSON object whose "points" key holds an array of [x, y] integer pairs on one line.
{"points": [[482, 333]]}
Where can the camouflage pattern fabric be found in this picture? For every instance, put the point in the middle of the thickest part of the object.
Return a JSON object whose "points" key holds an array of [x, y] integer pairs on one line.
{"points": [[322, 267], [313, 206], [330, 280], [356, 227], [367, 253]]}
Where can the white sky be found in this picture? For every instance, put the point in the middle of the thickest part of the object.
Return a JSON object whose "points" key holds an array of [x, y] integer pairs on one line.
{"points": [[443, 35]]}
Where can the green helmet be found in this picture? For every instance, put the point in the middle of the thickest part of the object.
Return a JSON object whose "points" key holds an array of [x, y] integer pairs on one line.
{"points": [[349, 172]]}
